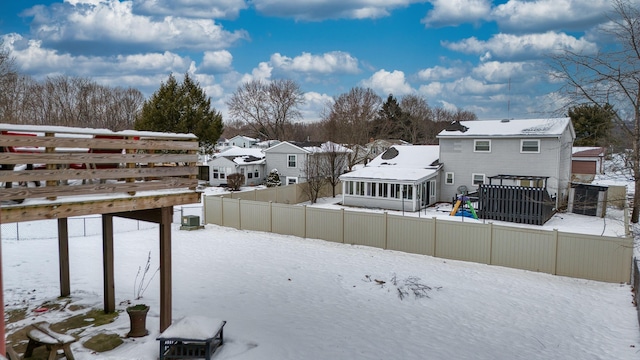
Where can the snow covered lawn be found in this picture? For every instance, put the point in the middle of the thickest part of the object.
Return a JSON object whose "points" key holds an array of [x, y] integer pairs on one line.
{"points": [[289, 298]]}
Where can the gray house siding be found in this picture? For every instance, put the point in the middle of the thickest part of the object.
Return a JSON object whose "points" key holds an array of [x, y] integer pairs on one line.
{"points": [[277, 158], [219, 169], [459, 158]]}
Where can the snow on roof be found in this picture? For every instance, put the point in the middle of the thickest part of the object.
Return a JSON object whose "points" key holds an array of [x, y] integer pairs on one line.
{"points": [[235, 151], [400, 162], [409, 156], [328, 147], [551, 127]]}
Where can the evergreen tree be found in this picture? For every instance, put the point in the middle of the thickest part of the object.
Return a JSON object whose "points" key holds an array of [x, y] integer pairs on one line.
{"points": [[389, 123], [592, 124], [182, 108], [273, 179]]}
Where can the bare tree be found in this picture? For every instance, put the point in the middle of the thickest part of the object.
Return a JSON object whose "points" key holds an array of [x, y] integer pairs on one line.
{"points": [[612, 77], [316, 178], [349, 118], [267, 107], [333, 163], [418, 115]]}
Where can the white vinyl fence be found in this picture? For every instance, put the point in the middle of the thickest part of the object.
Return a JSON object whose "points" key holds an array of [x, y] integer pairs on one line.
{"points": [[576, 255]]}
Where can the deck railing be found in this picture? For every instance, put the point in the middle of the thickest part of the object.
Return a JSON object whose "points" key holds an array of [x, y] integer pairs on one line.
{"points": [[50, 162]]}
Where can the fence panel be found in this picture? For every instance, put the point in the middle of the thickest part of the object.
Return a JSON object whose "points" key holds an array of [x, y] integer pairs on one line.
{"points": [[266, 195], [231, 213], [411, 235], [365, 229], [255, 215], [288, 220], [525, 249], [325, 224], [594, 257], [213, 210], [463, 241]]}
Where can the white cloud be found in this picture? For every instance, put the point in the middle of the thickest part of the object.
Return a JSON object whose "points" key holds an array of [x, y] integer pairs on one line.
{"points": [[111, 25], [543, 15], [495, 71], [388, 83], [330, 9], [327, 63], [439, 73], [456, 12], [314, 105], [508, 46], [216, 61], [214, 9]]}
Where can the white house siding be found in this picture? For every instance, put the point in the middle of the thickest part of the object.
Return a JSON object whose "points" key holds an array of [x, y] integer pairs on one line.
{"points": [[223, 167], [249, 172], [458, 156], [277, 159], [412, 203]]}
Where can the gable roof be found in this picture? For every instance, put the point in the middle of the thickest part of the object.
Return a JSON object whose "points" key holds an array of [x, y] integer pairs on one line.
{"points": [[401, 163], [549, 127], [284, 145], [587, 151]]}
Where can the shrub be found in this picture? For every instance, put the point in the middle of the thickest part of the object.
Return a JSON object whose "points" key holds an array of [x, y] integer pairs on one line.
{"points": [[234, 181]]}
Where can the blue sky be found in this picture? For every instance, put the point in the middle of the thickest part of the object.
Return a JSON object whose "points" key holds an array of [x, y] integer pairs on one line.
{"points": [[476, 55]]}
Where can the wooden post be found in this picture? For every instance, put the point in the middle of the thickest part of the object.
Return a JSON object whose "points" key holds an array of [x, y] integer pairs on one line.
{"points": [[50, 150], [107, 258], [63, 254], [3, 345], [166, 216]]}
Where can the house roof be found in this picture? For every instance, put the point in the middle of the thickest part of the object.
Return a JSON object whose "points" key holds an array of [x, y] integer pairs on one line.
{"points": [[548, 127], [328, 147], [400, 162], [234, 151], [584, 151]]}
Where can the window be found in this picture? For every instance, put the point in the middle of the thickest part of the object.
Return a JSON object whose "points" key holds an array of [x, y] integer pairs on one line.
{"points": [[530, 146], [482, 145], [395, 191], [407, 192], [292, 180], [368, 189], [221, 175], [448, 178], [250, 175], [292, 161], [532, 183], [215, 173], [432, 188], [374, 186], [256, 174], [383, 190], [478, 179]]}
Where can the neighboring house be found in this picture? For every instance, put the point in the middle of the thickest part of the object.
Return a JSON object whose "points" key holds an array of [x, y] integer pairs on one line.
{"points": [[247, 161], [266, 144], [587, 162], [521, 151], [404, 177], [290, 158], [242, 141]]}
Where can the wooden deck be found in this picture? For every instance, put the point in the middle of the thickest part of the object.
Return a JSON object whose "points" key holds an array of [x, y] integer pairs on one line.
{"points": [[92, 171], [58, 172]]}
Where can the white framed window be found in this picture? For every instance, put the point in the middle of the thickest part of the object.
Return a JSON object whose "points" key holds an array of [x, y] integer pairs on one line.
{"points": [[530, 146], [448, 178], [292, 180], [477, 179], [292, 161], [482, 145]]}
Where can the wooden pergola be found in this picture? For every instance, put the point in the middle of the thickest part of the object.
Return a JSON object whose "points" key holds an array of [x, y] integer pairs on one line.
{"points": [[131, 174]]}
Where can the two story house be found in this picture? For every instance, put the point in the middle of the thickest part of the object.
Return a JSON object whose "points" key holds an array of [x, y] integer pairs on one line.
{"points": [[291, 158], [523, 152]]}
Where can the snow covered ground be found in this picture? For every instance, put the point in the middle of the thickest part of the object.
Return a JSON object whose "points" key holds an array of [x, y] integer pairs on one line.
{"points": [[290, 298]]}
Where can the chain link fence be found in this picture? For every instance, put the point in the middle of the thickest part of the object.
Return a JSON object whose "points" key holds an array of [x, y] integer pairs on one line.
{"points": [[85, 225]]}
